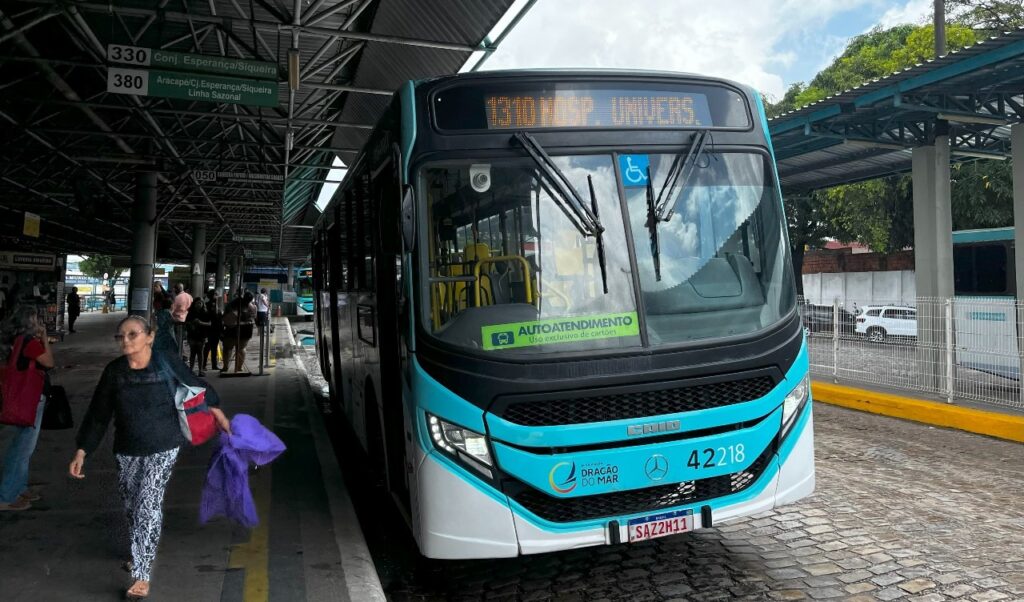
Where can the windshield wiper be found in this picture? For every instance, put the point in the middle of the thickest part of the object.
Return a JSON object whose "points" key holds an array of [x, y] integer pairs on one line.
{"points": [[553, 181], [600, 237], [652, 227], [557, 185], [682, 168]]}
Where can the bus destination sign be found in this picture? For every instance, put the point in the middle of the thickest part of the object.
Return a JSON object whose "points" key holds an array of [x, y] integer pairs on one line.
{"points": [[598, 108]]}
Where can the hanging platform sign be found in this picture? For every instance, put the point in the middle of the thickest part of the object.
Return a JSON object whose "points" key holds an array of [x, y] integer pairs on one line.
{"points": [[27, 261], [31, 226], [187, 86], [192, 63]]}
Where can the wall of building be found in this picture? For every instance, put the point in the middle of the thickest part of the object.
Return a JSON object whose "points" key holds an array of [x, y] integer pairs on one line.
{"points": [[859, 278], [863, 288]]}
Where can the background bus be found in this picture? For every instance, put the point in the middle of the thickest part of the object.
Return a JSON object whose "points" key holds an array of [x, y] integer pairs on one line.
{"points": [[558, 310], [304, 291], [985, 316]]}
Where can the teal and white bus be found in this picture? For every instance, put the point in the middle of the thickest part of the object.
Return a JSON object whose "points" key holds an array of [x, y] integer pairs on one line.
{"points": [[304, 292], [985, 308], [558, 310]]}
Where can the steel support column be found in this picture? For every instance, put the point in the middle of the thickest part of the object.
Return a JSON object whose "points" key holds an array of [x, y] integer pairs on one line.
{"points": [[933, 258], [198, 260], [218, 285], [1017, 153], [140, 288], [236, 276]]}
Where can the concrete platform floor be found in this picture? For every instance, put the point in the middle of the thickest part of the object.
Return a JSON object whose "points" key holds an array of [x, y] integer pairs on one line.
{"points": [[70, 544]]}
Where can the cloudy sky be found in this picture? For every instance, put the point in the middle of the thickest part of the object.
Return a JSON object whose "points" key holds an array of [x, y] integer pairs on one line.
{"points": [[768, 44]]}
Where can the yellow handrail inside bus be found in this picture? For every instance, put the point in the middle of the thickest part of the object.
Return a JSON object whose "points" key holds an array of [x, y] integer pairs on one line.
{"points": [[482, 260]]}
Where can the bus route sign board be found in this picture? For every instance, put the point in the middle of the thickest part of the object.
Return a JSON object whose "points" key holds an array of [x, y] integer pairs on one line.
{"points": [[188, 86], [192, 63], [571, 329]]}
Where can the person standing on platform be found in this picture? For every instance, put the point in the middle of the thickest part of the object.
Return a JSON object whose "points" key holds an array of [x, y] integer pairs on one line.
{"points": [[214, 332], [23, 327], [179, 311], [74, 303], [163, 325], [238, 323], [262, 309], [136, 390], [197, 325]]}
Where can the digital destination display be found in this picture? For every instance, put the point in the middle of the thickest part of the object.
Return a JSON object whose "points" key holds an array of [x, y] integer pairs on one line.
{"points": [[527, 105], [603, 108]]}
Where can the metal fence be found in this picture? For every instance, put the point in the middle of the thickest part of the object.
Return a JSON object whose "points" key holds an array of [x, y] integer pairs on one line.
{"points": [[966, 348]]}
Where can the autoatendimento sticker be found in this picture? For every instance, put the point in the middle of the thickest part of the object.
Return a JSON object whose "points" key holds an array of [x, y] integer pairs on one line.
{"points": [[559, 330]]}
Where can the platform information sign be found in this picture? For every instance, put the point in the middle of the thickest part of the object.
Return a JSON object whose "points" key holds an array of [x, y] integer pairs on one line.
{"points": [[188, 86], [192, 63]]}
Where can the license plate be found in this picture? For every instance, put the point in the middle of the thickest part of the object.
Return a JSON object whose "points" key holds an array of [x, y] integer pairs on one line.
{"points": [[660, 525]]}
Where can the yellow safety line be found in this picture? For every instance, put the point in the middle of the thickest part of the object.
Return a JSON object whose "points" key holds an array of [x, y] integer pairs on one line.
{"points": [[273, 345], [992, 424], [253, 555]]}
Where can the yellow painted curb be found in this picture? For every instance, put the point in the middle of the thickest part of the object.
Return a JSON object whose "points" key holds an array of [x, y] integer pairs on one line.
{"points": [[992, 424]]}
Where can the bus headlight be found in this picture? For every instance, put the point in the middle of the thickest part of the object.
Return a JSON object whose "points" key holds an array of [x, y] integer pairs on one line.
{"points": [[465, 444], [794, 403]]}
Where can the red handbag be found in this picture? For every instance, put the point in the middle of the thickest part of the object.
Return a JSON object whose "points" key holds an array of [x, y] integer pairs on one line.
{"points": [[194, 416], [21, 389]]}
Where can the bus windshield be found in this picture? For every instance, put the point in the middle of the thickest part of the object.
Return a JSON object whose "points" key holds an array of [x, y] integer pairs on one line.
{"points": [[508, 271], [720, 264]]}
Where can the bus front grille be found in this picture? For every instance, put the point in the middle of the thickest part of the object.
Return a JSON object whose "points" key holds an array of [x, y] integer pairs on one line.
{"points": [[635, 501], [635, 404]]}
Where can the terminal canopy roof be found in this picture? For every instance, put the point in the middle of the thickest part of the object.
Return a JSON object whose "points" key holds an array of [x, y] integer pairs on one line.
{"points": [[248, 163], [973, 94]]}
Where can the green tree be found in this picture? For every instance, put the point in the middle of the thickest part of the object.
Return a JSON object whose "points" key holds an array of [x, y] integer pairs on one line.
{"points": [[988, 17], [982, 194], [878, 213], [807, 228], [95, 266]]}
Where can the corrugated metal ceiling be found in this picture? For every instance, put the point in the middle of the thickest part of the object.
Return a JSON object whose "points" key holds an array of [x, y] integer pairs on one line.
{"points": [[869, 131], [72, 148]]}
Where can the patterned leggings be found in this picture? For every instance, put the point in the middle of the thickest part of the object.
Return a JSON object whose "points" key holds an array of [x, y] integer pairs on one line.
{"points": [[142, 481]]}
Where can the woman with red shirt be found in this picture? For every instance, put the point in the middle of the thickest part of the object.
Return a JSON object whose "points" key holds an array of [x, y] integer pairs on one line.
{"points": [[14, 492]]}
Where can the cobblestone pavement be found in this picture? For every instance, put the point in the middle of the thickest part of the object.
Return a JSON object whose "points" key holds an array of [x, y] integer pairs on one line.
{"points": [[902, 511]]}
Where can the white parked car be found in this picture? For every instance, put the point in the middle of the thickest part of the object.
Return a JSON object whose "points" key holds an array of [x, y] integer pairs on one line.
{"points": [[882, 322]]}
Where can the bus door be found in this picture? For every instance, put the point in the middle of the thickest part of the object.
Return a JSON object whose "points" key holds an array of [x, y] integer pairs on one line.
{"points": [[321, 318], [387, 194], [335, 290]]}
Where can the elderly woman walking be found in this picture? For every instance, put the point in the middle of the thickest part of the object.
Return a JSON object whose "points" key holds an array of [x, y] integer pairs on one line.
{"points": [[22, 334], [137, 391]]}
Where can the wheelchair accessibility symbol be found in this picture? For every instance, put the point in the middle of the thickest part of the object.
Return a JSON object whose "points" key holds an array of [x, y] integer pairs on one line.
{"points": [[634, 170]]}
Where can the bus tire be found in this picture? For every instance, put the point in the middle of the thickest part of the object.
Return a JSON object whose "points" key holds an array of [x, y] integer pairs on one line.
{"points": [[876, 335]]}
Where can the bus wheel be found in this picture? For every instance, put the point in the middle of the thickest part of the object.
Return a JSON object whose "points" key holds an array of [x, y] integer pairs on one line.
{"points": [[876, 335]]}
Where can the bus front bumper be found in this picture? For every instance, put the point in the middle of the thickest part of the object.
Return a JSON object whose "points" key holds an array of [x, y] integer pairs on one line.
{"points": [[460, 518]]}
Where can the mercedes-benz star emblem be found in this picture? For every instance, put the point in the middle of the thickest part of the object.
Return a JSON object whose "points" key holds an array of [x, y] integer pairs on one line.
{"points": [[656, 467]]}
